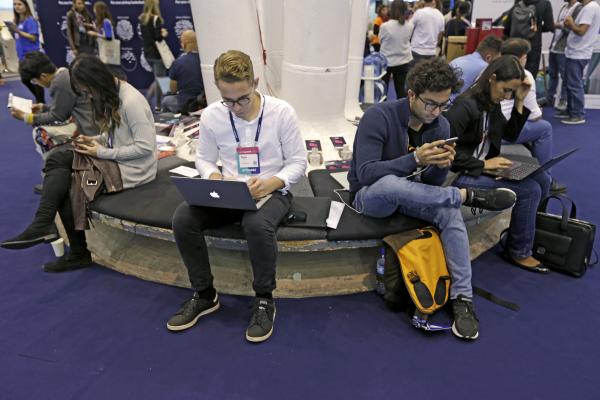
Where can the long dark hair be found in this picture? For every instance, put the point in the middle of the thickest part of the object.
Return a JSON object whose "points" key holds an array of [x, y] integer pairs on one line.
{"points": [[398, 11], [506, 68], [86, 13], [87, 72], [102, 14], [27, 14]]}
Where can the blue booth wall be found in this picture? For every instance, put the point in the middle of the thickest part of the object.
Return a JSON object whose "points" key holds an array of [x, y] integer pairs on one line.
{"points": [[176, 13]]}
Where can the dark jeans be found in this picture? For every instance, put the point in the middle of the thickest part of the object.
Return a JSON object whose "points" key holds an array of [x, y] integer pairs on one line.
{"points": [[418, 57], [575, 92], [522, 222], [37, 91], [556, 68], [398, 73], [55, 197], [533, 61], [189, 223], [159, 70]]}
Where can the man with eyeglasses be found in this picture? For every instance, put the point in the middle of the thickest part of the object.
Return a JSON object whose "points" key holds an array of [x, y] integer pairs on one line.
{"points": [[257, 139], [401, 159], [37, 68]]}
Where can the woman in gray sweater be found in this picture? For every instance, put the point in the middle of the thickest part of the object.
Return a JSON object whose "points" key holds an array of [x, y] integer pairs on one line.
{"points": [[128, 138]]}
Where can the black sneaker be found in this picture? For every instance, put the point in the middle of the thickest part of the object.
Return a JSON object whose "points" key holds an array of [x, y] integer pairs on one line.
{"points": [[191, 311], [31, 236], [466, 323], [490, 199], [69, 262], [557, 187], [261, 323]]}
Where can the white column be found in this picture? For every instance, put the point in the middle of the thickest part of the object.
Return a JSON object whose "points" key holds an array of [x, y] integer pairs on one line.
{"points": [[358, 31], [223, 25]]}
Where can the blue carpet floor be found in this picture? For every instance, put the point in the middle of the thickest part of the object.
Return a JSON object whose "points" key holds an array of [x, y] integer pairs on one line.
{"points": [[97, 334]]}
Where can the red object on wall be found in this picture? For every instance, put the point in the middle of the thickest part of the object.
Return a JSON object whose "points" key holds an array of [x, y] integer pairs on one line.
{"points": [[476, 35]]}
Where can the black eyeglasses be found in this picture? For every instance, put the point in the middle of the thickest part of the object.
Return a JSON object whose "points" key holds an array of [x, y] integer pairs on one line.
{"points": [[242, 101], [430, 106]]}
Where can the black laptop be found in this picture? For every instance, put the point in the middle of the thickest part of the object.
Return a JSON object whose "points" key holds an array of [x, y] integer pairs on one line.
{"points": [[523, 168], [218, 194]]}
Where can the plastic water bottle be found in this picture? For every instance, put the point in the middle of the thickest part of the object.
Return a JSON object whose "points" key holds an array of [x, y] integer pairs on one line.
{"points": [[379, 271]]}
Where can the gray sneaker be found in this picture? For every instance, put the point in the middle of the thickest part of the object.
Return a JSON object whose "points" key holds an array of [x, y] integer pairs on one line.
{"points": [[466, 323], [191, 311], [562, 114], [260, 327], [573, 121]]}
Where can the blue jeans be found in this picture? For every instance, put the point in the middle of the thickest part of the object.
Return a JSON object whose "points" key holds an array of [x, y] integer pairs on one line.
{"points": [[437, 205], [539, 134], [575, 93], [556, 68], [158, 68], [522, 222], [170, 103]]}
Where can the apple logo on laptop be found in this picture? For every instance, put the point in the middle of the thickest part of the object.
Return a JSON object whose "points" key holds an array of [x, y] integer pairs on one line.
{"points": [[214, 195]]}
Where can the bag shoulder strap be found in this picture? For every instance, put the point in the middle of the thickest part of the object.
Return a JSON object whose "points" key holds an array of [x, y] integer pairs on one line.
{"points": [[495, 299]]}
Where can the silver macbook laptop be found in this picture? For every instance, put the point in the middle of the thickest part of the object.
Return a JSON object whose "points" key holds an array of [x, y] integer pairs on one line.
{"points": [[520, 170], [218, 194]]}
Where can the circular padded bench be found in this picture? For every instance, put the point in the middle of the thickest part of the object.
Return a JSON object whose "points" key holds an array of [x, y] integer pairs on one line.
{"points": [[131, 233]]}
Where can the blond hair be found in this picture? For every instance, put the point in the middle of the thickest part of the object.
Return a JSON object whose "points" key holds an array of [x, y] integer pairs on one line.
{"points": [[233, 66], [151, 9]]}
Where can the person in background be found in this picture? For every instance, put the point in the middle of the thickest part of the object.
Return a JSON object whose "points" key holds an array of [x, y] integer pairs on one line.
{"points": [[476, 119], [536, 131], [556, 58], [545, 23], [79, 23], [103, 25], [428, 32], [153, 31], [472, 64], [395, 46], [580, 46], [128, 138], [26, 31], [186, 77], [382, 16], [458, 25]]}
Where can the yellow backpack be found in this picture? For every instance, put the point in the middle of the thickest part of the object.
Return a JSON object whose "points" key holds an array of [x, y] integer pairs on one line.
{"points": [[418, 257]]}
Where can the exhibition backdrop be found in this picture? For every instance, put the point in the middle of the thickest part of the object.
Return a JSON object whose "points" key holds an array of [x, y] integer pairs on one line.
{"points": [[177, 15]]}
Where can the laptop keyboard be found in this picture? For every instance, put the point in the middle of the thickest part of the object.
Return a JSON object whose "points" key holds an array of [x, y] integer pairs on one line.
{"points": [[521, 171]]}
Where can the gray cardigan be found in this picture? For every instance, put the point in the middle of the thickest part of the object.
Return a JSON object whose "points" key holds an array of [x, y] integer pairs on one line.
{"points": [[65, 103], [134, 143]]}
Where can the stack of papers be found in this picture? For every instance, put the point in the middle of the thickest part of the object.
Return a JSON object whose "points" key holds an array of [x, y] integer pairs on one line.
{"points": [[20, 103]]}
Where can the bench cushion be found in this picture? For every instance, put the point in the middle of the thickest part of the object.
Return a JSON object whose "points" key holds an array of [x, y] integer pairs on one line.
{"points": [[353, 226], [154, 204]]}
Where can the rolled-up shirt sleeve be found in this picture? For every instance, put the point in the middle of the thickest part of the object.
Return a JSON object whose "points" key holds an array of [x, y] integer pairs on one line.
{"points": [[292, 145]]}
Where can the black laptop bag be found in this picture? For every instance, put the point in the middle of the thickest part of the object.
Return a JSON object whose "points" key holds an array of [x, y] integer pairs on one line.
{"points": [[562, 242]]}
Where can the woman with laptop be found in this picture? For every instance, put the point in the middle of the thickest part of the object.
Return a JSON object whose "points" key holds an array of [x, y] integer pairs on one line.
{"points": [[476, 119], [128, 139]]}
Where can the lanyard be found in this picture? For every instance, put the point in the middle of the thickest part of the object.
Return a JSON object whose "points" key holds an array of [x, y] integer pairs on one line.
{"points": [[235, 132], [486, 127]]}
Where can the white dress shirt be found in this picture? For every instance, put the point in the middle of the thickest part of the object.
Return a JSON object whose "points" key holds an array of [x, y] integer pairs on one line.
{"points": [[281, 147], [530, 102]]}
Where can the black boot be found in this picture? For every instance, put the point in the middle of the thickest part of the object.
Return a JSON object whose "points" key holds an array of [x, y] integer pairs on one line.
{"points": [[34, 234], [69, 262]]}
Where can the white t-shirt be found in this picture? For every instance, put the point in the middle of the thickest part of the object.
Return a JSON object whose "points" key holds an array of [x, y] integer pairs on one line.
{"points": [[564, 12], [395, 42], [582, 47], [428, 22], [530, 102]]}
